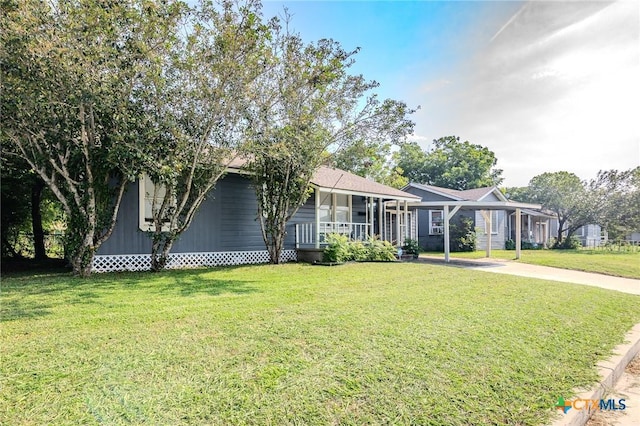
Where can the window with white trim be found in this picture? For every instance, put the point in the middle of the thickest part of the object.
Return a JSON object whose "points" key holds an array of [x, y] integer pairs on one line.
{"points": [[436, 222], [324, 212], [342, 211], [334, 207], [495, 221], [151, 196]]}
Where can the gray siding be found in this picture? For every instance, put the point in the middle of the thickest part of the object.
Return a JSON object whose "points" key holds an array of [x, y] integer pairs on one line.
{"points": [[491, 197], [499, 235], [226, 221], [305, 214]]}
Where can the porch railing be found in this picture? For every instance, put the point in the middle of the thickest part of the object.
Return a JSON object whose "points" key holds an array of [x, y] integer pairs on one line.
{"points": [[306, 232]]}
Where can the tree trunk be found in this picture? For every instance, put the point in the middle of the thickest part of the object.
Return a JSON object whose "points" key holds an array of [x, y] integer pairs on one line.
{"points": [[559, 236], [82, 261], [36, 220], [160, 252]]}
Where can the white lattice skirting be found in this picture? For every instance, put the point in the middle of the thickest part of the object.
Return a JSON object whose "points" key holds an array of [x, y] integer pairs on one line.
{"points": [[142, 262]]}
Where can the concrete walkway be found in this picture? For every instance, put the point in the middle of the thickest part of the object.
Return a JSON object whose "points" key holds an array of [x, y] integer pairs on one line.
{"points": [[512, 267]]}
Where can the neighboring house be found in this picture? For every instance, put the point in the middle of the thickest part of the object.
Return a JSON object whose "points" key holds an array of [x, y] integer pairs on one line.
{"points": [[535, 224], [633, 238], [538, 227], [590, 235], [225, 230]]}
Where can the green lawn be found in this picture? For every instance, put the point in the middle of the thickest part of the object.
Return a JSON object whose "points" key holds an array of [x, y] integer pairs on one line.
{"points": [[620, 264], [296, 344]]}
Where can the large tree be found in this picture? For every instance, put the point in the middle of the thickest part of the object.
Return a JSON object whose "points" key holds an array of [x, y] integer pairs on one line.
{"points": [[200, 112], [307, 107], [70, 72], [372, 161], [450, 164], [616, 201], [566, 195]]}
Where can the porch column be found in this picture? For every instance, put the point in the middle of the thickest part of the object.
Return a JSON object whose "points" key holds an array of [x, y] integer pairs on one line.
{"points": [[407, 229], [371, 217], [529, 233], [518, 233], [446, 216], [398, 243], [445, 219], [384, 222], [317, 216], [487, 227], [380, 218]]}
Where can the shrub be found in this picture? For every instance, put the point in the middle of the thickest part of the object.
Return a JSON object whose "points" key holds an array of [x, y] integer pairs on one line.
{"points": [[337, 249], [381, 251], [411, 247], [571, 243], [462, 235], [358, 251], [525, 245], [340, 249]]}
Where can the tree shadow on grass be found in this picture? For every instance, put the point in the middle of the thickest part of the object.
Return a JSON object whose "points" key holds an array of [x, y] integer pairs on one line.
{"points": [[30, 296], [193, 282]]}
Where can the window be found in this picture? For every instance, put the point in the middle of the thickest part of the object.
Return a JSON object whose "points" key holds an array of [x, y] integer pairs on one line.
{"points": [[151, 197], [342, 208], [436, 222], [324, 213], [495, 222], [334, 207]]}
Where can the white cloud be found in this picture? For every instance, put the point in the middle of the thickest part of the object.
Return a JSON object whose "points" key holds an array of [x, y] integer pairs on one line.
{"points": [[556, 89]]}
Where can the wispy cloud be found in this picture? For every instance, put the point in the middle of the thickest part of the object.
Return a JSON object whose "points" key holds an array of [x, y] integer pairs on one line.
{"points": [[557, 88]]}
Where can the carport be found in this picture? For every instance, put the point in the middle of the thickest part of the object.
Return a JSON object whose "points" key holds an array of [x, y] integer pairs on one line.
{"points": [[450, 208]]}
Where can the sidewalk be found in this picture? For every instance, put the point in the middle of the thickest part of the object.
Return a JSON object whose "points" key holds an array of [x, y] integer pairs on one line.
{"points": [[511, 267]]}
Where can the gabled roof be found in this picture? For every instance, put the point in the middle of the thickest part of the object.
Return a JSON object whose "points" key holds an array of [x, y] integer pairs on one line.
{"points": [[332, 179], [476, 194], [329, 178]]}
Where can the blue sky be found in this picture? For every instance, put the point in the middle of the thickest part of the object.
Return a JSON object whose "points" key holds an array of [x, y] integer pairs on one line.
{"points": [[546, 85]]}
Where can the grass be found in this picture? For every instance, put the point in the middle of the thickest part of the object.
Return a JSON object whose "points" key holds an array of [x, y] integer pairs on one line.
{"points": [[619, 264], [296, 344]]}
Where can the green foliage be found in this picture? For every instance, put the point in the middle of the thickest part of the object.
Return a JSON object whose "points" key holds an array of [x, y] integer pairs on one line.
{"points": [[525, 245], [462, 235], [341, 249], [616, 200], [568, 243], [566, 195], [411, 247], [338, 249], [380, 251], [304, 109], [371, 160], [450, 164], [81, 69], [214, 54]]}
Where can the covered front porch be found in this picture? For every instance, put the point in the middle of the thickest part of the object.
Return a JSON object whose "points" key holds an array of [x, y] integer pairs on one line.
{"points": [[359, 216], [536, 227], [487, 209]]}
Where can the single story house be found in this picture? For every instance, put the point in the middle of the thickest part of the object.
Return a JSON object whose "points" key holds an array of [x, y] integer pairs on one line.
{"points": [[225, 230], [494, 226]]}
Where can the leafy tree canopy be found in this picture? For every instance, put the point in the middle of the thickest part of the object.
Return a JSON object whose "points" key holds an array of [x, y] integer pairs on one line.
{"points": [[450, 164]]}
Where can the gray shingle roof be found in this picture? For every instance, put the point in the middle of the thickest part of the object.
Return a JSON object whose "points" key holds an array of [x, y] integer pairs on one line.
{"points": [[328, 177]]}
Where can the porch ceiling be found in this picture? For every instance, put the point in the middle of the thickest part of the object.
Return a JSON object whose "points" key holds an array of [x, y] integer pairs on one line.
{"points": [[473, 205]]}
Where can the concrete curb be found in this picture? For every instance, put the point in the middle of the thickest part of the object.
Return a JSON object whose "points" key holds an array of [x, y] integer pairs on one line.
{"points": [[610, 371]]}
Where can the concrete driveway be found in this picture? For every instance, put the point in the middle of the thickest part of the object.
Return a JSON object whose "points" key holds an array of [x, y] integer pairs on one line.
{"points": [[512, 267]]}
